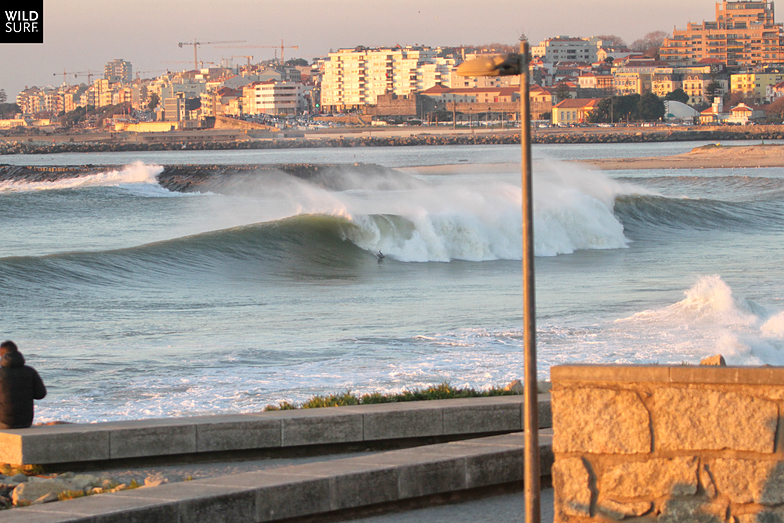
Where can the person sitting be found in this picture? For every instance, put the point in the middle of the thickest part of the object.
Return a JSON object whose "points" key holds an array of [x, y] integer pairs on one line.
{"points": [[19, 386]]}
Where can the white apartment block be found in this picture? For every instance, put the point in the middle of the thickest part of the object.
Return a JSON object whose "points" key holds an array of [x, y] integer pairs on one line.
{"points": [[566, 49], [273, 97], [118, 70], [356, 77]]}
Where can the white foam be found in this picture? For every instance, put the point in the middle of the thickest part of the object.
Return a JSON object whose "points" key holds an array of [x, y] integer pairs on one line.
{"points": [[135, 174], [474, 217], [708, 321], [478, 217]]}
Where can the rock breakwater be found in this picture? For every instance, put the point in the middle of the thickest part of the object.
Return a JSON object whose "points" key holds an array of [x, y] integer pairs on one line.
{"points": [[191, 178], [23, 490], [356, 138]]}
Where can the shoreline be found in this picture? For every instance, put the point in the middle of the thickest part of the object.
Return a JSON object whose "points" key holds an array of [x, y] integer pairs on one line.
{"points": [[186, 177], [359, 137], [716, 156]]}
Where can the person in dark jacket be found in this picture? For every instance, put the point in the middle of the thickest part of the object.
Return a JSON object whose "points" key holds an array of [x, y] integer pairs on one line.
{"points": [[19, 386]]}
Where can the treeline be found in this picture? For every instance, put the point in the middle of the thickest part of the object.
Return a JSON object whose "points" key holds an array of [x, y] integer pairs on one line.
{"points": [[631, 107], [8, 111], [91, 113]]}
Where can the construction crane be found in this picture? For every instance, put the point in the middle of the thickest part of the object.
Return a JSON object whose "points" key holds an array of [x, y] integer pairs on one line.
{"points": [[248, 56], [199, 66], [281, 46], [196, 45], [145, 72], [89, 74]]}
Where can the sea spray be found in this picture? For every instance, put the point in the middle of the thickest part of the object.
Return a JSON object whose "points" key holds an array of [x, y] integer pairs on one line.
{"points": [[137, 173], [709, 320]]}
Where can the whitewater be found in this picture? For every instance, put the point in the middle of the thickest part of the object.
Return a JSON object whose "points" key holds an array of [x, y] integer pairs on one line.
{"points": [[134, 301]]}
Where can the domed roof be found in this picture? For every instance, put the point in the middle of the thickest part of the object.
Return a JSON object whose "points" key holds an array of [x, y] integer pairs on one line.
{"points": [[673, 109]]}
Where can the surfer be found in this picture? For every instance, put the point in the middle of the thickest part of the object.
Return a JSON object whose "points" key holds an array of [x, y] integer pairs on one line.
{"points": [[380, 256]]}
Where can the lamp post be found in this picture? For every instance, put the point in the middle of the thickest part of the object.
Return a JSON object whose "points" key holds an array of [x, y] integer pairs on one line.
{"points": [[513, 64]]}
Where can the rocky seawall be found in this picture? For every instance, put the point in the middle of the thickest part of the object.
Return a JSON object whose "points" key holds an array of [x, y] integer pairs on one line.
{"points": [[191, 178], [48, 145]]}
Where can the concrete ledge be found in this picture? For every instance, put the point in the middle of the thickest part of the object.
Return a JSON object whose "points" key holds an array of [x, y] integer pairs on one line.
{"points": [[669, 374], [82, 443], [309, 489]]}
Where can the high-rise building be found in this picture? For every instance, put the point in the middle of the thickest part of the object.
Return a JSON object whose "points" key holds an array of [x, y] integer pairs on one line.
{"points": [[118, 70], [743, 34], [356, 77], [569, 49]]}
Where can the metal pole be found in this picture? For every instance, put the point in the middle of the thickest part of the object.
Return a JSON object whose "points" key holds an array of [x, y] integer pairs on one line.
{"points": [[531, 475]]}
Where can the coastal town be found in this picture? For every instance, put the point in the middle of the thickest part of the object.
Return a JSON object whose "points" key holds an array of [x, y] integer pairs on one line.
{"points": [[729, 70], [233, 300]]}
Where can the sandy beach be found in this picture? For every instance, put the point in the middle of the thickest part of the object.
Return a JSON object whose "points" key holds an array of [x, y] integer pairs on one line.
{"points": [[710, 156], [716, 156]]}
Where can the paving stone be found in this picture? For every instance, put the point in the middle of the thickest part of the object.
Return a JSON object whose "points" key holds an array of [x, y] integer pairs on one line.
{"points": [[749, 481], [618, 511], [698, 419], [108, 508], [483, 418], [505, 466], [431, 478], [317, 429], [281, 495], [691, 510], [409, 423], [652, 478], [600, 421], [53, 444], [240, 433], [152, 441], [363, 488], [571, 481]]}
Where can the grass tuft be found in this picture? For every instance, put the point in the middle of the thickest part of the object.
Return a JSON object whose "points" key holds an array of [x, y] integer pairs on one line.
{"points": [[433, 392], [71, 494]]}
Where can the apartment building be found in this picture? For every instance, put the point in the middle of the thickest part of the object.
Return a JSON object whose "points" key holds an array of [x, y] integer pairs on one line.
{"points": [[356, 77], [754, 85], [273, 97], [597, 81], [568, 49], [665, 80], [703, 82], [118, 70], [743, 34]]}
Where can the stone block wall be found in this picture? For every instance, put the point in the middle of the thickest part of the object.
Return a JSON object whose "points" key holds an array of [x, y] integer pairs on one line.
{"points": [[668, 444]]}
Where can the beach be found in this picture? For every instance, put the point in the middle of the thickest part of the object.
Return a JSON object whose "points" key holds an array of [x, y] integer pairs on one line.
{"points": [[716, 156]]}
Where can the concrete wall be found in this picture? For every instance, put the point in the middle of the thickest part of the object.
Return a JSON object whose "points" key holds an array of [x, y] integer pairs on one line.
{"points": [[668, 444], [139, 439]]}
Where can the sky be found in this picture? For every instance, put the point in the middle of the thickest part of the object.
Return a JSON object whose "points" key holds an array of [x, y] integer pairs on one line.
{"points": [[83, 35]]}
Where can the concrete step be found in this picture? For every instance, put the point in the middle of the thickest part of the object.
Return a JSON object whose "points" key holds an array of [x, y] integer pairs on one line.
{"points": [[156, 438], [323, 488]]}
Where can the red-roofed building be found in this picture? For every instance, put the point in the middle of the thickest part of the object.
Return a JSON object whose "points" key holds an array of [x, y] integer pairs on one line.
{"points": [[573, 111], [744, 114], [774, 92]]}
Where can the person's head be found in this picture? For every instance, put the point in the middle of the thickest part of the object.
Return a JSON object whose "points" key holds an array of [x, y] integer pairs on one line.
{"points": [[8, 346]]}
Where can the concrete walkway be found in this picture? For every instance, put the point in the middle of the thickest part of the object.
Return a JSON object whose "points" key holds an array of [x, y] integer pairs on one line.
{"points": [[504, 507], [325, 489], [270, 431]]}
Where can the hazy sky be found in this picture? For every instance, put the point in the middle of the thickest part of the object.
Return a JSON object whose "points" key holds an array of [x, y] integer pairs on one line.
{"points": [[82, 35]]}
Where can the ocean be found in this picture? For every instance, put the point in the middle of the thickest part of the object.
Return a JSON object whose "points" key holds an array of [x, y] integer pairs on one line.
{"points": [[136, 302]]}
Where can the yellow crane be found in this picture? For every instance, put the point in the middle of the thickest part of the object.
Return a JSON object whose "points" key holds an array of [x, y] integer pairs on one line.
{"points": [[89, 74], [138, 73], [281, 46], [248, 56], [196, 45]]}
